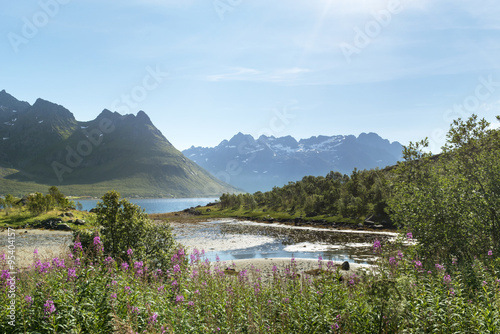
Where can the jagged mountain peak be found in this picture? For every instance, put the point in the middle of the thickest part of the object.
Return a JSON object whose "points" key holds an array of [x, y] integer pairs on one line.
{"points": [[241, 139], [10, 103], [48, 109], [270, 161]]}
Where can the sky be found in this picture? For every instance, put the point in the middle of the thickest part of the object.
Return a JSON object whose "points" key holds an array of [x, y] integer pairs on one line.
{"points": [[204, 70]]}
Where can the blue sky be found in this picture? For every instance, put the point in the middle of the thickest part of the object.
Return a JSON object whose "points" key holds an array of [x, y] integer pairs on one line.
{"points": [[204, 70]]}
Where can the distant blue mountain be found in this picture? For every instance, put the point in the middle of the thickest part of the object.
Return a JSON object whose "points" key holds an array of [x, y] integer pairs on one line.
{"points": [[260, 164]]}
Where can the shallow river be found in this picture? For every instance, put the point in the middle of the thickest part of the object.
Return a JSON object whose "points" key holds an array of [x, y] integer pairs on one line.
{"points": [[232, 240]]}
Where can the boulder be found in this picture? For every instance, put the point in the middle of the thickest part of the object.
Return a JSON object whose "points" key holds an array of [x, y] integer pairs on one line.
{"points": [[345, 266], [62, 227], [79, 222]]}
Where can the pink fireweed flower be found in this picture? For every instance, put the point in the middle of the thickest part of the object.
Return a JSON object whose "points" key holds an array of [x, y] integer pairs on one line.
{"points": [[377, 246], [97, 244], [71, 273], [409, 236], [135, 310], [447, 279], [49, 307], [418, 265], [490, 253], [57, 262], [5, 275], [77, 246], [153, 318], [392, 261], [2, 256], [177, 268], [179, 299], [138, 265], [174, 283], [484, 283], [191, 303], [35, 251], [127, 289], [439, 267], [400, 255], [113, 296], [124, 266], [129, 252], [28, 300]]}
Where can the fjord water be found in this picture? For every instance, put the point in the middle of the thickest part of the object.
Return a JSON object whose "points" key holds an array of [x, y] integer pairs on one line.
{"points": [[157, 205]]}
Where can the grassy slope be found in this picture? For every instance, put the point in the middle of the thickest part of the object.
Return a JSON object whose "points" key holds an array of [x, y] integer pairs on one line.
{"points": [[18, 217], [258, 214]]}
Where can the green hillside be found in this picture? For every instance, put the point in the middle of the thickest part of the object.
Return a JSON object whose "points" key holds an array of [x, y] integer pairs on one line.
{"points": [[43, 145]]}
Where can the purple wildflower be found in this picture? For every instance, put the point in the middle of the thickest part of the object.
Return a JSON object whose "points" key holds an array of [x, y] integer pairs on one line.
{"points": [[377, 246], [153, 318], [124, 266], [71, 273], [129, 252], [113, 296], [447, 279], [28, 299], [179, 299], [49, 307], [77, 245], [439, 267], [490, 253], [409, 236]]}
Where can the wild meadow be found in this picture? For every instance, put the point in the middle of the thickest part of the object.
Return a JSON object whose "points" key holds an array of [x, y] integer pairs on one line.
{"points": [[86, 291]]}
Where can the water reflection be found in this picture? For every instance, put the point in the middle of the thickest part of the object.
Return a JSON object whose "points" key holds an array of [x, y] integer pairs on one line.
{"points": [[232, 240]]}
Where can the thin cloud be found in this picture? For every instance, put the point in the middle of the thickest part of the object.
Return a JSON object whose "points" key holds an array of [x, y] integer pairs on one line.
{"points": [[249, 74]]}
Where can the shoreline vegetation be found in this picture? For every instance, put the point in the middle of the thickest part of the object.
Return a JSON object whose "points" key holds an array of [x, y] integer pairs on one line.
{"points": [[124, 273]]}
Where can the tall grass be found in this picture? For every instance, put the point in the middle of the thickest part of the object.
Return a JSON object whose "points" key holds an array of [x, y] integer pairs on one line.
{"points": [[88, 292]]}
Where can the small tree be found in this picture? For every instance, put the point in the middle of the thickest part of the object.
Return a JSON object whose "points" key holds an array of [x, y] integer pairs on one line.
{"points": [[8, 203], [124, 225], [38, 203], [451, 203]]}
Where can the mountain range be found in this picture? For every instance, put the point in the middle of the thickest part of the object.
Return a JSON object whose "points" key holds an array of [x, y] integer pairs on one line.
{"points": [[43, 144], [260, 164]]}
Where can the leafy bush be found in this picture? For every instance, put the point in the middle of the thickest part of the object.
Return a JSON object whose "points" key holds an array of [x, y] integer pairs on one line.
{"points": [[451, 202], [122, 225]]}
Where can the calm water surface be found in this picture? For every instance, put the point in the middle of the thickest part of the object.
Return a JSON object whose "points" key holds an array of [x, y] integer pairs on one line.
{"points": [[157, 205]]}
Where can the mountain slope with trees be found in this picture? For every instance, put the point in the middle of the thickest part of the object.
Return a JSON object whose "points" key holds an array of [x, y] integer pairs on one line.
{"points": [[44, 144], [260, 164]]}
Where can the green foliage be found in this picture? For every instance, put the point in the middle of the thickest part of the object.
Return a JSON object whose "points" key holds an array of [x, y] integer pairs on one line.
{"points": [[123, 225], [451, 203], [362, 194], [38, 203]]}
